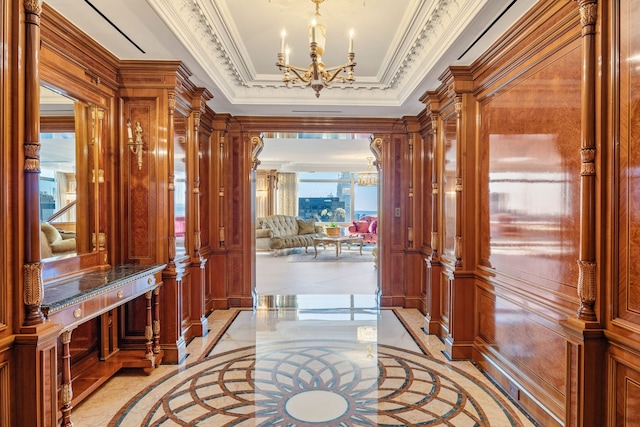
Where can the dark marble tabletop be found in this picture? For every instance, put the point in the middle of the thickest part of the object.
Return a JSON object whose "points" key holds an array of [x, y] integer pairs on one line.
{"points": [[61, 294]]}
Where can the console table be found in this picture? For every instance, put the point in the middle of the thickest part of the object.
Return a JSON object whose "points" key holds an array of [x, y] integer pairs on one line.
{"points": [[75, 300]]}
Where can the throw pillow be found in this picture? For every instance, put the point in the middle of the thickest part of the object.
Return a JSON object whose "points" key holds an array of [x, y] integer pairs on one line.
{"points": [[306, 227], [374, 227], [361, 226]]}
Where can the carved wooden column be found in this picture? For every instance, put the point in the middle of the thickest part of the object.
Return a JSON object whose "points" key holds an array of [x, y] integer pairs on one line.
{"points": [[198, 263], [171, 266], [33, 291], [66, 391], [433, 265], [148, 328], [156, 320], [459, 183], [435, 185], [586, 343], [587, 262]]}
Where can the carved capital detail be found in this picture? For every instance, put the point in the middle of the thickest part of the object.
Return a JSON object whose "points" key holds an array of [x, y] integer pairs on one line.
{"points": [[33, 6], [458, 184], [588, 12], [32, 157], [65, 337], [33, 285], [435, 188], [587, 289], [458, 105], [434, 123], [171, 98], [588, 166]]}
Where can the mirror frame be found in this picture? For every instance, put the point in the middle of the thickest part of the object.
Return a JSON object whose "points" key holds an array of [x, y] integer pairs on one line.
{"points": [[89, 126]]}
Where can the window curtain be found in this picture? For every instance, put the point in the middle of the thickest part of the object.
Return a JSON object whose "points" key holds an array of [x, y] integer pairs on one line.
{"points": [[287, 193], [62, 197]]}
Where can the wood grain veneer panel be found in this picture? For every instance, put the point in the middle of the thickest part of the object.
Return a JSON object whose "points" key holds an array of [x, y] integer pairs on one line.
{"points": [[140, 201], [628, 301], [5, 394], [504, 324], [627, 401], [530, 192]]}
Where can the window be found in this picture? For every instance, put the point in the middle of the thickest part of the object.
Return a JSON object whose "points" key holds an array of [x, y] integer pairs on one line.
{"points": [[322, 195]]}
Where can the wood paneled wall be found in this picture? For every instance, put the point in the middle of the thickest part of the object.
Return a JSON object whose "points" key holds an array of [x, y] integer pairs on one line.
{"points": [[532, 212]]}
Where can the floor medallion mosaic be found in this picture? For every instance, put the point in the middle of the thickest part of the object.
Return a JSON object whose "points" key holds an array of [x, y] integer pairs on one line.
{"points": [[317, 383]]}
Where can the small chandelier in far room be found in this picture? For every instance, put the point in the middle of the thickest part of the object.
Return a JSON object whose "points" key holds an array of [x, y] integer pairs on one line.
{"points": [[316, 75], [369, 178]]}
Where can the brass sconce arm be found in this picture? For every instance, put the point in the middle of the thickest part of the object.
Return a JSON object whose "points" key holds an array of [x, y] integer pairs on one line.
{"points": [[137, 145]]}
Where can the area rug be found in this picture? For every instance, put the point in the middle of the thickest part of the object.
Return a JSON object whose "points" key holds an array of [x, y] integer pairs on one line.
{"points": [[329, 254], [320, 383]]}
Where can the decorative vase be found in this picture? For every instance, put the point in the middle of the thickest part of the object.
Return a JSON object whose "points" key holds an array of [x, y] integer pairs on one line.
{"points": [[332, 231]]}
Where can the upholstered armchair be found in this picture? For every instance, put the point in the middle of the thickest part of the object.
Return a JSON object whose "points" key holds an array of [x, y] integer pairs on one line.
{"points": [[367, 227]]}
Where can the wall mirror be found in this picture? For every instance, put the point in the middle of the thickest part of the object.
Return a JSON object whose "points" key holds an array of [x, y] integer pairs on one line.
{"points": [[180, 182], [68, 185]]}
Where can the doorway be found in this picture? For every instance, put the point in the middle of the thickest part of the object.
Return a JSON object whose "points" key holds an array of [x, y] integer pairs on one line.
{"points": [[314, 178]]}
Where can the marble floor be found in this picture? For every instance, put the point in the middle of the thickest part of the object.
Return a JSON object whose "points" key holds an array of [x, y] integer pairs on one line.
{"points": [[319, 353]]}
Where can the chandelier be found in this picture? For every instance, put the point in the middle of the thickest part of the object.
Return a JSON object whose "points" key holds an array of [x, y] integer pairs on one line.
{"points": [[369, 178], [317, 75]]}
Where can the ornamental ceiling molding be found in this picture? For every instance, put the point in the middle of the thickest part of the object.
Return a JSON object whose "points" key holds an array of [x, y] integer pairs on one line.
{"points": [[207, 35]]}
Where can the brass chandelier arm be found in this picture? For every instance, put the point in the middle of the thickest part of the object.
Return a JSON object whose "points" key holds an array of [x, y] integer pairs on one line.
{"points": [[305, 77]]}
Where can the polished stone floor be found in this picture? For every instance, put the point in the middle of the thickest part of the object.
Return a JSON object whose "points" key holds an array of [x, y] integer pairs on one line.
{"points": [[307, 359]]}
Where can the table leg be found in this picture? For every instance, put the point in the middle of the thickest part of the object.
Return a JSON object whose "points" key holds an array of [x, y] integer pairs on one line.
{"points": [[315, 249], [361, 242], [338, 247]]}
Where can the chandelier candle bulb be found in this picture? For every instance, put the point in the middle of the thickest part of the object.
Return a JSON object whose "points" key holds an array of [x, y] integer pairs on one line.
{"points": [[287, 51], [351, 41], [313, 31], [283, 34]]}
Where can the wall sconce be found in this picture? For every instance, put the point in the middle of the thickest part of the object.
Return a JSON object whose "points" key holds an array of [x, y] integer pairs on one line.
{"points": [[135, 146]]}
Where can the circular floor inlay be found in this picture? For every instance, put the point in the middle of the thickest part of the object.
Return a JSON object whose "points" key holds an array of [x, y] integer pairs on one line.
{"points": [[316, 406], [321, 383]]}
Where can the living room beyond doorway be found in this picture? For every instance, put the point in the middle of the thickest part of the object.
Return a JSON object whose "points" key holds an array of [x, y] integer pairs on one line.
{"points": [[314, 177]]}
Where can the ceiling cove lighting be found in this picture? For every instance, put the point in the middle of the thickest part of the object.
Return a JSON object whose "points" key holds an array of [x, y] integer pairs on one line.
{"points": [[316, 75]]}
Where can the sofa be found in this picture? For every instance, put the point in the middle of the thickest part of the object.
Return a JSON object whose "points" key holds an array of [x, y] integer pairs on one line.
{"points": [[367, 228], [280, 232], [54, 242]]}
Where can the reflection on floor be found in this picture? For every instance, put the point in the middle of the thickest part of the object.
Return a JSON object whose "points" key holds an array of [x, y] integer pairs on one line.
{"points": [[307, 360]]}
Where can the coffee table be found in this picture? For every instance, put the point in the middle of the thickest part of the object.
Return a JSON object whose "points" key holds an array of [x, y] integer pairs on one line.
{"points": [[337, 241]]}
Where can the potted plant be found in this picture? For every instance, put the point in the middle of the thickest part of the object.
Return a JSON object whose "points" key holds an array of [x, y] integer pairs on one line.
{"points": [[333, 229]]}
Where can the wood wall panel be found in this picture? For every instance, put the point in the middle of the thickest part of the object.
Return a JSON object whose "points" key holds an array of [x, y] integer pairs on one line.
{"points": [[624, 368], [140, 203], [529, 145], [502, 322], [8, 133], [628, 298], [6, 397]]}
